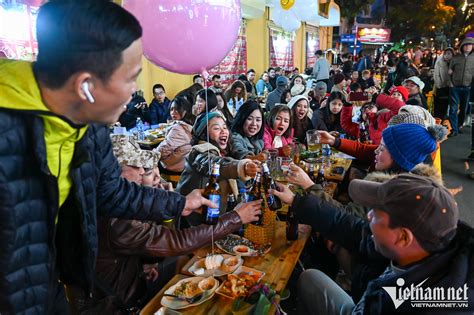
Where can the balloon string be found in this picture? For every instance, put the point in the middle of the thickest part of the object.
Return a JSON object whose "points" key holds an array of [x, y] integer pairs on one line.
{"points": [[207, 128], [209, 158]]}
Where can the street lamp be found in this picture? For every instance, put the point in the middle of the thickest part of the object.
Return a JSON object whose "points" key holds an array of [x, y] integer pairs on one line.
{"points": [[433, 27], [431, 38], [410, 42]]}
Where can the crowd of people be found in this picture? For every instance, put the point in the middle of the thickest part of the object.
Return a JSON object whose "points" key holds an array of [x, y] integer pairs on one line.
{"points": [[88, 211]]}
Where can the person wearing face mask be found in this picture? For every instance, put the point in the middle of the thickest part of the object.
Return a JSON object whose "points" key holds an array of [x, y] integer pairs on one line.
{"points": [[441, 82], [130, 267], [247, 132], [396, 74], [328, 118], [211, 145], [298, 85], [301, 116]]}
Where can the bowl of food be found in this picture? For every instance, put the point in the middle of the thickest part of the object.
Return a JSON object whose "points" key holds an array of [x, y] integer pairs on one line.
{"points": [[231, 263], [242, 250], [208, 284]]}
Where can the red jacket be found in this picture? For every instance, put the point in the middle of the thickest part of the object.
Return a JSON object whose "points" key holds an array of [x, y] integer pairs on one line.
{"points": [[361, 151], [377, 121]]}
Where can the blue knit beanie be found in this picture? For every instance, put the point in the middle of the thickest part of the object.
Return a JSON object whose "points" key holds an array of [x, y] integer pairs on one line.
{"points": [[409, 144]]}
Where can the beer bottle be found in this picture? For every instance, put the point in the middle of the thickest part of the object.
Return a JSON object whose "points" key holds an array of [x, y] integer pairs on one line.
{"points": [[231, 202], [320, 178], [364, 136], [255, 193], [243, 195], [291, 225], [311, 172], [274, 203], [213, 193]]}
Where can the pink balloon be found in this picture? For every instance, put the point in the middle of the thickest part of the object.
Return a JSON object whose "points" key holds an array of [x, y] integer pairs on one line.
{"points": [[187, 36]]}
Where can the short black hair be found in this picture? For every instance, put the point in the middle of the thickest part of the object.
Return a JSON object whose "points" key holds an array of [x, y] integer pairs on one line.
{"points": [[158, 86], [319, 52], [243, 113], [283, 96], [272, 117], [196, 76], [250, 71], [184, 108], [86, 35], [391, 63], [271, 68], [216, 76], [355, 86]]}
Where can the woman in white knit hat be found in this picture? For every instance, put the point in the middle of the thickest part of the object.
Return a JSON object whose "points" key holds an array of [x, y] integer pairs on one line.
{"points": [[301, 116]]}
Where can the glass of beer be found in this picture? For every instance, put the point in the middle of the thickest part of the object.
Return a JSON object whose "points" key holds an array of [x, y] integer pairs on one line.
{"points": [[282, 168], [312, 139]]}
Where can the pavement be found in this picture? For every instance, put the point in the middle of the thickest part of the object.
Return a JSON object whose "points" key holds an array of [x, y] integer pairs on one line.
{"points": [[454, 152]]}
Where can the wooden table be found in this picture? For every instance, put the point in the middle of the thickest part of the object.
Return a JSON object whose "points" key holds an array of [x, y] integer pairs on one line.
{"points": [[337, 162], [278, 264]]}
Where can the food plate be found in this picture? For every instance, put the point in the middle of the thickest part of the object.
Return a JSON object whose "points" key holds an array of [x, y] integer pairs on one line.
{"points": [[229, 264], [240, 282], [232, 243], [187, 288]]}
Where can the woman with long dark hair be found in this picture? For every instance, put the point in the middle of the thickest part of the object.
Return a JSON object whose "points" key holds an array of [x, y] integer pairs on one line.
{"points": [[177, 143], [222, 107], [200, 104], [328, 118], [235, 96], [247, 132]]}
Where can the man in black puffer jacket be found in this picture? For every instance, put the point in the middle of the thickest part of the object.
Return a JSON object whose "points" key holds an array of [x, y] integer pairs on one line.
{"points": [[414, 223], [57, 170]]}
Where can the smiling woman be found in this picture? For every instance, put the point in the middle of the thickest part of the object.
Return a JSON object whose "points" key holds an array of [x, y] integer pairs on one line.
{"points": [[247, 132], [213, 150]]}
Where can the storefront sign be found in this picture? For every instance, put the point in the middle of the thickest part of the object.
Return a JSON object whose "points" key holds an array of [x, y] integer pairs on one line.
{"points": [[373, 35]]}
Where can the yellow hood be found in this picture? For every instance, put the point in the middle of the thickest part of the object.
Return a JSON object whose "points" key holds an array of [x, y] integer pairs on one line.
{"points": [[19, 91]]}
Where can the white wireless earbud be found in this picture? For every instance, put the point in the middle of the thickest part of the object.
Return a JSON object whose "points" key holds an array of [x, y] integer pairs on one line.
{"points": [[85, 89]]}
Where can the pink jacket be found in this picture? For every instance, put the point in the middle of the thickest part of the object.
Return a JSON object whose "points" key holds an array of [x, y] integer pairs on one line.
{"points": [[269, 134], [176, 146]]}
